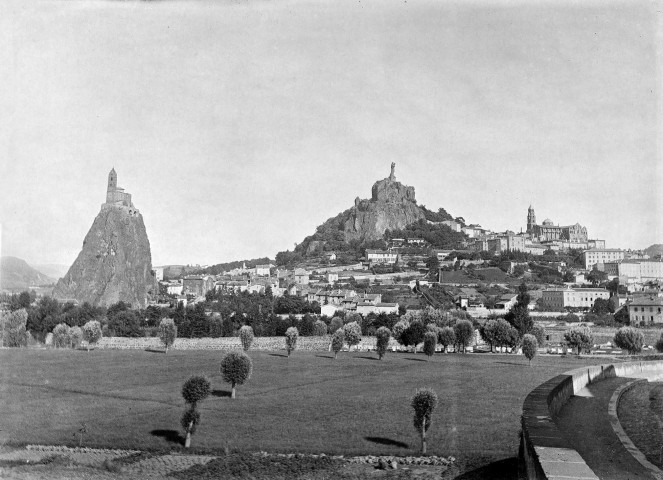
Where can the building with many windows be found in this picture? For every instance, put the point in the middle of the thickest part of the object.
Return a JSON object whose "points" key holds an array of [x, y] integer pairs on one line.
{"points": [[381, 256], [595, 256], [559, 298], [647, 309]]}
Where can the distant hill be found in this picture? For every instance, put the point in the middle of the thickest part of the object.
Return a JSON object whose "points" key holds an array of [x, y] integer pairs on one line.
{"points": [[653, 250], [52, 269], [17, 275]]}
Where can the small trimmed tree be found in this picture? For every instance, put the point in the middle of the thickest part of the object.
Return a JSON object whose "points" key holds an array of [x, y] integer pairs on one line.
{"points": [[319, 328], [487, 332], [338, 339], [61, 335], [236, 368], [540, 333], [464, 332], [413, 335], [447, 337], [75, 336], [382, 336], [352, 333], [15, 325], [659, 344], [399, 328], [194, 390], [291, 335], [246, 336], [424, 402], [92, 333], [530, 346], [629, 338], [579, 337], [430, 343], [167, 332]]}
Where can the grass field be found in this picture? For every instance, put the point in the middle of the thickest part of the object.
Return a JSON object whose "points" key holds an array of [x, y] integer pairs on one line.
{"points": [[306, 403]]}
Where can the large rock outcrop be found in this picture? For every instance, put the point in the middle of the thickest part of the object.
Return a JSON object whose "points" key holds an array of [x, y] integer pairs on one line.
{"points": [[115, 263]]}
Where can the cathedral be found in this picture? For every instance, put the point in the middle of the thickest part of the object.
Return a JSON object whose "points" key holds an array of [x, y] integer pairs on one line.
{"points": [[548, 231]]}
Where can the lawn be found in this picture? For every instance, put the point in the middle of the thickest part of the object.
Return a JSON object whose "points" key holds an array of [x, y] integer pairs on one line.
{"points": [[306, 403]]}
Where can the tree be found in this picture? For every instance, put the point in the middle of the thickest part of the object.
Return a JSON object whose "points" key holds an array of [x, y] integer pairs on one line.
{"points": [[352, 332], [447, 337], [15, 333], [464, 333], [75, 336], [338, 339], [487, 332], [61, 335], [530, 346], [167, 332], [430, 343], [335, 324], [659, 344], [92, 333], [319, 328], [579, 337], [413, 335], [596, 276], [629, 338], [540, 333], [519, 316], [400, 326], [600, 307], [246, 336], [236, 368], [424, 402], [382, 336], [194, 390], [291, 335]]}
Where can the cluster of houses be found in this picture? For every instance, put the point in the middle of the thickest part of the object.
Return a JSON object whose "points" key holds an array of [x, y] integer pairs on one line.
{"points": [[313, 286]]}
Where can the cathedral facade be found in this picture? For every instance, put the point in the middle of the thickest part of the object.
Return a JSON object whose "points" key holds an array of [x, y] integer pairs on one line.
{"points": [[548, 231]]}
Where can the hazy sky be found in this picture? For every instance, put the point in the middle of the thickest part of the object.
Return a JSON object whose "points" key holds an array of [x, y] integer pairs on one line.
{"points": [[240, 126]]}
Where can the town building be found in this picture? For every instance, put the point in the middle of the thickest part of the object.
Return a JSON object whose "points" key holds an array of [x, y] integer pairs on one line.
{"points": [[197, 285], [506, 302], [647, 310], [381, 256], [549, 231], [301, 276], [158, 273], [262, 270], [597, 256], [559, 298]]}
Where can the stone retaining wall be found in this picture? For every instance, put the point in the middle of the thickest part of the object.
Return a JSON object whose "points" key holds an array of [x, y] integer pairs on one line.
{"points": [[544, 452], [229, 343]]}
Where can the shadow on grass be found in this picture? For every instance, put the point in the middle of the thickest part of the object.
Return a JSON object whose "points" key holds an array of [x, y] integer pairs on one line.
{"points": [[387, 441], [513, 363], [278, 354], [500, 470], [416, 359], [171, 436], [155, 350], [221, 393], [369, 358], [325, 356]]}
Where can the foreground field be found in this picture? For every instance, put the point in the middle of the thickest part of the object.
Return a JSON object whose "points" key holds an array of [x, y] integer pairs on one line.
{"points": [[306, 403]]}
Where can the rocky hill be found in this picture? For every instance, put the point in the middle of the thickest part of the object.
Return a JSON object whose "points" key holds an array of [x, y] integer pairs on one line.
{"points": [[17, 275], [392, 207], [115, 262]]}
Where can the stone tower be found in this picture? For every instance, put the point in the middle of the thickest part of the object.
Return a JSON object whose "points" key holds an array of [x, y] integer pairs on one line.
{"points": [[112, 185], [531, 219]]}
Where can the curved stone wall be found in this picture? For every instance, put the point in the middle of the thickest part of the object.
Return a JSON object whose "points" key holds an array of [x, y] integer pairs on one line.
{"points": [[544, 453]]}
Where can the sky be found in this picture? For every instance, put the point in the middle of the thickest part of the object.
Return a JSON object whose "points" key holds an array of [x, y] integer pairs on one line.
{"points": [[240, 126]]}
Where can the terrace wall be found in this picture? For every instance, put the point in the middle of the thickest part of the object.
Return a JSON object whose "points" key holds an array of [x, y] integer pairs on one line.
{"points": [[544, 453]]}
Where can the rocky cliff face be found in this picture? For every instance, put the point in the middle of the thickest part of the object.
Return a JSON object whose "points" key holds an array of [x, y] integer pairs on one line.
{"points": [[392, 206], [115, 262]]}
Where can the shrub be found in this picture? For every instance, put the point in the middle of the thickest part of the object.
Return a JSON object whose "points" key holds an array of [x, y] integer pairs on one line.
{"points": [[194, 390], [424, 402], [15, 334], [61, 335], [246, 336], [75, 336], [430, 343], [91, 333], [530, 344], [167, 332], [352, 332], [291, 335], [319, 328], [464, 333], [447, 337], [338, 339], [382, 336], [659, 344], [236, 368], [579, 337], [335, 324], [629, 338]]}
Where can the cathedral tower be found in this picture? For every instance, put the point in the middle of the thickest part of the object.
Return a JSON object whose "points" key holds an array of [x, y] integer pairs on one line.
{"points": [[531, 219]]}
